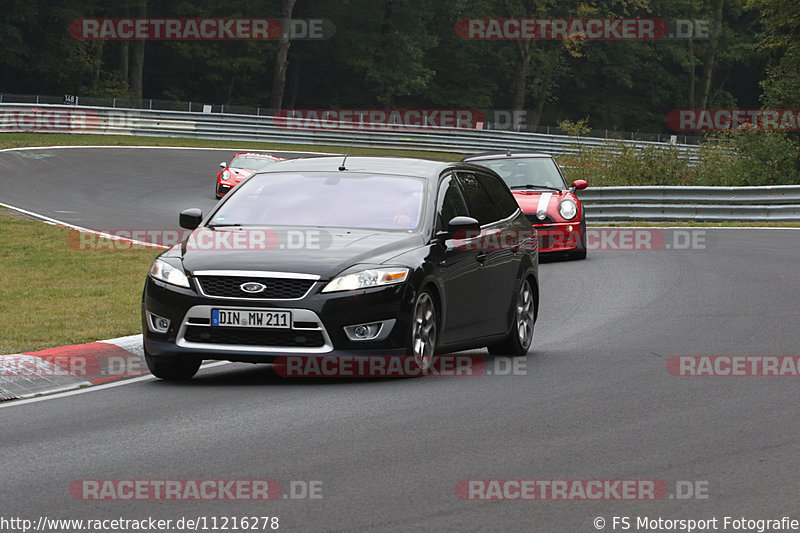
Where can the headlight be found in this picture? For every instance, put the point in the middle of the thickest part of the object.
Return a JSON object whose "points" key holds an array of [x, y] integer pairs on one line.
{"points": [[568, 209], [373, 277], [163, 271], [225, 174]]}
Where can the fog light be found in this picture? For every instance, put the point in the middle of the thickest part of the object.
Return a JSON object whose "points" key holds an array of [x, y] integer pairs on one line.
{"points": [[157, 324], [569, 228], [373, 331]]}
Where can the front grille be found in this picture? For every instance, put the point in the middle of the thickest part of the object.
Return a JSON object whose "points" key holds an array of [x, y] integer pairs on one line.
{"points": [[277, 288], [255, 337]]}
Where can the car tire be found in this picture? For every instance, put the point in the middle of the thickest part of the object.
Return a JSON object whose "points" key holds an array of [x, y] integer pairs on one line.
{"points": [[424, 331], [520, 337], [580, 252], [177, 368]]}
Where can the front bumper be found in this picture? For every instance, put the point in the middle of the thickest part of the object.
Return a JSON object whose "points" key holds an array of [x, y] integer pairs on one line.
{"points": [[317, 325], [559, 236]]}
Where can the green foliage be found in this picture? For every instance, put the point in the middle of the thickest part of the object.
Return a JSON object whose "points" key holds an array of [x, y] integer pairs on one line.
{"points": [[763, 158], [782, 85], [397, 65], [735, 159], [576, 129], [780, 39]]}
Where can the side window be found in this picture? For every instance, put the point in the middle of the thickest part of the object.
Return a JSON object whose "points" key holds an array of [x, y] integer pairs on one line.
{"points": [[501, 196], [479, 202], [449, 203]]}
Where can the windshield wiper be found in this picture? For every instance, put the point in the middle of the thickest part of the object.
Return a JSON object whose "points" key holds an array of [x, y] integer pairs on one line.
{"points": [[225, 225], [529, 186]]}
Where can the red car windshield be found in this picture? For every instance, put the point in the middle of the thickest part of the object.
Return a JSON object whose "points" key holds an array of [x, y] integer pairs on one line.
{"points": [[248, 161], [325, 200], [524, 171]]}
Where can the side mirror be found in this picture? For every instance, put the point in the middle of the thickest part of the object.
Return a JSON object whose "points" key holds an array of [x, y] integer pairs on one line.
{"points": [[579, 185], [463, 225], [223, 164], [190, 218]]}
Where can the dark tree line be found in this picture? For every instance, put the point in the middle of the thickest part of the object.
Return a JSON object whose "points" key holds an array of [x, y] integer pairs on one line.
{"points": [[406, 54]]}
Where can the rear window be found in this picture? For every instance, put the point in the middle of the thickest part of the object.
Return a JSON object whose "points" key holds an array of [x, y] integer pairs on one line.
{"points": [[500, 194], [480, 204]]}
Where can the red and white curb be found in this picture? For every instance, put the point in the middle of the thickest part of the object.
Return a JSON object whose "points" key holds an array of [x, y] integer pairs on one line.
{"points": [[31, 374]]}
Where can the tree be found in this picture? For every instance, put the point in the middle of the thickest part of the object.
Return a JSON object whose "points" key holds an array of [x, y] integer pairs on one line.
{"points": [[136, 74], [396, 67], [780, 39], [281, 59]]}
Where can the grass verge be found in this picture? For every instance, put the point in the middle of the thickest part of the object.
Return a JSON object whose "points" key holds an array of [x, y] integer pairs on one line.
{"points": [[52, 295]]}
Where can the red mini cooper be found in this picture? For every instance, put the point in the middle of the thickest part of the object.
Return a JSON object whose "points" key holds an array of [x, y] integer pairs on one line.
{"points": [[542, 193]]}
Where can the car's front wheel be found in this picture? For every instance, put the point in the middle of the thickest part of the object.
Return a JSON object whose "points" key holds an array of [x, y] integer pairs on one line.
{"points": [[178, 368], [423, 335], [520, 337]]}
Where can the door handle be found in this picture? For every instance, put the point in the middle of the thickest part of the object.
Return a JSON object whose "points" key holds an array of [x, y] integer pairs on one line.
{"points": [[481, 257]]}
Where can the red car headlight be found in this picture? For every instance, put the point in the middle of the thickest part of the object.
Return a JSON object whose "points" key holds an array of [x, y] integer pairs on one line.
{"points": [[568, 209]]}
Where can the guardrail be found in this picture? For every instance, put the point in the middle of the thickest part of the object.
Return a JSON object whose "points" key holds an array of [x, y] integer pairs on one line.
{"points": [[663, 203], [779, 203], [173, 105], [159, 123]]}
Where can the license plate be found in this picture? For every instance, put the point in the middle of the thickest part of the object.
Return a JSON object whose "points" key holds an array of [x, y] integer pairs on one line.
{"points": [[251, 319]]}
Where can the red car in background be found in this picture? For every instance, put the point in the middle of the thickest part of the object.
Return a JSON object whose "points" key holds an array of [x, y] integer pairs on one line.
{"points": [[542, 193], [241, 166]]}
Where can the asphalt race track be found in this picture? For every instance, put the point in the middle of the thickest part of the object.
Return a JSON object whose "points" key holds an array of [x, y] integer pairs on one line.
{"points": [[113, 188], [594, 399]]}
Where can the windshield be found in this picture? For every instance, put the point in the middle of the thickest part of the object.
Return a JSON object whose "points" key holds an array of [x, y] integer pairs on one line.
{"points": [[324, 199], [522, 171], [246, 161]]}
